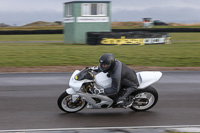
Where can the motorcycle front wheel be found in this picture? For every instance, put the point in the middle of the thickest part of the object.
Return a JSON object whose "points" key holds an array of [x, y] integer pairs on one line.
{"points": [[148, 98], [66, 104]]}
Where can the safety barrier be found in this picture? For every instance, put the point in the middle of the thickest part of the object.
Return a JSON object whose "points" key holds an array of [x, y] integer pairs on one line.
{"points": [[127, 38], [159, 30], [23, 32]]}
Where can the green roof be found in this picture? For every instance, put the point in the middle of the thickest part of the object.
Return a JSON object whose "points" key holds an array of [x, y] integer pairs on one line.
{"points": [[87, 2]]}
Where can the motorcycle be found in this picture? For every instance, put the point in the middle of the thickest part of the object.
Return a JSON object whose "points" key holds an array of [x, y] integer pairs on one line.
{"points": [[85, 84]]}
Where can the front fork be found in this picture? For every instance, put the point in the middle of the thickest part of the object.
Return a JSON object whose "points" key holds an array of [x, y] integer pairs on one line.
{"points": [[73, 94]]}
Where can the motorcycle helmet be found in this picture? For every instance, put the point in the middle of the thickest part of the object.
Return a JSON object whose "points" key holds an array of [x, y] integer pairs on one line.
{"points": [[107, 62]]}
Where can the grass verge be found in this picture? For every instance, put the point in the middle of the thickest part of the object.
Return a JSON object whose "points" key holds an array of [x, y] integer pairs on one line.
{"points": [[179, 54]]}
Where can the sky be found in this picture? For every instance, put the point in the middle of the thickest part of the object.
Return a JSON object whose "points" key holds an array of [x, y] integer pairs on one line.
{"points": [[21, 12]]}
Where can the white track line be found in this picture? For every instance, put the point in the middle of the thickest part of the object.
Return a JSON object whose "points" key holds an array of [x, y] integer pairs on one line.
{"points": [[102, 128]]}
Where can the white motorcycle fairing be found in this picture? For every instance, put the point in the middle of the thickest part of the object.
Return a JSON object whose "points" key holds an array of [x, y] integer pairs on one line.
{"points": [[71, 91], [145, 79], [104, 103], [103, 80], [76, 86]]}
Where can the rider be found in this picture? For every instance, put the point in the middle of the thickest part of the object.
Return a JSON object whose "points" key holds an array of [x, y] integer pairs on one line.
{"points": [[122, 77]]}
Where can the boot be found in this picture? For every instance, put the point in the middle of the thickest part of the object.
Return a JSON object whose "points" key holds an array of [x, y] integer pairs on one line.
{"points": [[123, 101]]}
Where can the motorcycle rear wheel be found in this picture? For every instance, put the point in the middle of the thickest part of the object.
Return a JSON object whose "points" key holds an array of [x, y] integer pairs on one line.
{"points": [[149, 93], [65, 103]]}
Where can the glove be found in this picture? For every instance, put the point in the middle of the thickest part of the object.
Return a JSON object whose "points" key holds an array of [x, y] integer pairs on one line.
{"points": [[99, 91], [96, 69]]}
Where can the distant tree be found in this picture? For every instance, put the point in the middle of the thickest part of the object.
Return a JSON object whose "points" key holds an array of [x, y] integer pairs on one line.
{"points": [[58, 22]]}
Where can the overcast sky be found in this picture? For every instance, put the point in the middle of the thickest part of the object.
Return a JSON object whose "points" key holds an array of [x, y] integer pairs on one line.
{"points": [[21, 12]]}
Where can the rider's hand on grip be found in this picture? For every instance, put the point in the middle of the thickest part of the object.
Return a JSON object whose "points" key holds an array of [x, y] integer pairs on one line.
{"points": [[95, 68]]}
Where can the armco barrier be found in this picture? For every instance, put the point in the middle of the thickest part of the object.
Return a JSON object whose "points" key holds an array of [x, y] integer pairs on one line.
{"points": [[159, 30], [127, 38], [24, 32]]}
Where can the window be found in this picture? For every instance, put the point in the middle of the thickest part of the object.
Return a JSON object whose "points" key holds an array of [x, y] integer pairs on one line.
{"points": [[94, 9], [86, 9], [69, 10], [102, 9]]}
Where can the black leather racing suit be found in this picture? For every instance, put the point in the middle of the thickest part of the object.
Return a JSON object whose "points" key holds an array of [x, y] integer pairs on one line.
{"points": [[122, 77]]}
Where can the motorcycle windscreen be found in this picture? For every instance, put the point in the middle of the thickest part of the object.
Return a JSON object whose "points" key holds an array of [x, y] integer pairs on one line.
{"points": [[84, 74]]}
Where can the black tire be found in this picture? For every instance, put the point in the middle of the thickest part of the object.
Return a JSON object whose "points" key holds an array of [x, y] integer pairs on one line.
{"points": [[64, 107], [149, 90]]}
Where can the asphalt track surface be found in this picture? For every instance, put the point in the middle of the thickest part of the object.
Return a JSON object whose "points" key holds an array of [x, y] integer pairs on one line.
{"points": [[28, 101]]}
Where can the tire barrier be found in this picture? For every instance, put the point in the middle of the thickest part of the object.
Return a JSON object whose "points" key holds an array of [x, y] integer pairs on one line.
{"points": [[128, 38], [25, 32]]}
